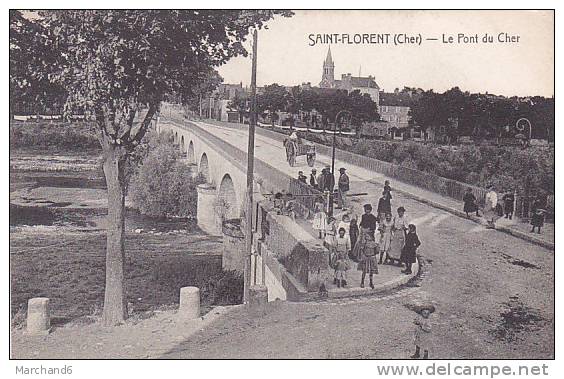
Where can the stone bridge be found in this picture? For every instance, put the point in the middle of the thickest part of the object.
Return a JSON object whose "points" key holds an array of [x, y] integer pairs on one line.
{"points": [[287, 259], [222, 196]]}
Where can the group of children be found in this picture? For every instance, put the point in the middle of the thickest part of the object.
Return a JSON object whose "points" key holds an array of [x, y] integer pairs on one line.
{"points": [[397, 241], [347, 240]]}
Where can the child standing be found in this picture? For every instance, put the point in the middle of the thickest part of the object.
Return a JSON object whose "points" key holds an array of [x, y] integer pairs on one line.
{"points": [[408, 253], [368, 258], [342, 248], [345, 223], [330, 240], [423, 332], [320, 218]]}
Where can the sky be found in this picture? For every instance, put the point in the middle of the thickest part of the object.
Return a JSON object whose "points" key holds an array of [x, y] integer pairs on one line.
{"points": [[287, 56]]}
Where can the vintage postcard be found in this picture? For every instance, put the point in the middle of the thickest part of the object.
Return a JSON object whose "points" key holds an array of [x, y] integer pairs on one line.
{"points": [[283, 184]]}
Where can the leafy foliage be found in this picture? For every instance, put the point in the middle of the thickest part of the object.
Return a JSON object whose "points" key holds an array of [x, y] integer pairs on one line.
{"points": [[274, 99], [30, 49], [76, 136], [530, 170], [163, 186], [117, 62], [482, 115]]}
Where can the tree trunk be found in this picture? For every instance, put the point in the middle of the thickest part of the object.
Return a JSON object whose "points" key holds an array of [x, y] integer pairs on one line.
{"points": [[115, 301]]}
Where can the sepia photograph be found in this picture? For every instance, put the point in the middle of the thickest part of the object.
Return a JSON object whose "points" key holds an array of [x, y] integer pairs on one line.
{"points": [[282, 184]]}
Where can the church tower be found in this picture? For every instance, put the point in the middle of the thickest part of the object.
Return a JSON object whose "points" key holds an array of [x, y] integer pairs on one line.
{"points": [[328, 77]]}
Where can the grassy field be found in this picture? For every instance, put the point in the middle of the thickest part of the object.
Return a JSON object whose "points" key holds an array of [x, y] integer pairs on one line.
{"points": [[69, 269]]}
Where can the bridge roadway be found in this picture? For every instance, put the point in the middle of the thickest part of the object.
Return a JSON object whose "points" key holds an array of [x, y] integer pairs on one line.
{"points": [[474, 273]]}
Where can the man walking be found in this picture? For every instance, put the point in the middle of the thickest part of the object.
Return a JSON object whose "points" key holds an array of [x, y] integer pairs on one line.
{"points": [[313, 179], [344, 186], [328, 180], [508, 203], [301, 177], [326, 184]]}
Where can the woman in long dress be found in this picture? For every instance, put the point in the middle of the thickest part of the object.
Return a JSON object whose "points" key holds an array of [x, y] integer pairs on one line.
{"points": [[353, 235], [539, 211], [409, 251], [386, 227], [470, 205], [401, 223], [490, 209]]}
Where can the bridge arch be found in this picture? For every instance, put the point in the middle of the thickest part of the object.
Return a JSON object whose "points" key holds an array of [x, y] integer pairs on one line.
{"points": [[175, 137], [190, 153], [182, 149], [227, 206], [204, 167]]}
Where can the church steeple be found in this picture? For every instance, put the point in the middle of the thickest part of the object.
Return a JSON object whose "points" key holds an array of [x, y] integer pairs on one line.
{"points": [[328, 76], [329, 59]]}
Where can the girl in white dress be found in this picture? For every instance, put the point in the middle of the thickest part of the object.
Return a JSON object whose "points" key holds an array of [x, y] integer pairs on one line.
{"points": [[320, 218]]}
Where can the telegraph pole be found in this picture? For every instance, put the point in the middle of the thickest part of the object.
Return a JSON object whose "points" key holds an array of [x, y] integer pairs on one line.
{"points": [[250, 174]]}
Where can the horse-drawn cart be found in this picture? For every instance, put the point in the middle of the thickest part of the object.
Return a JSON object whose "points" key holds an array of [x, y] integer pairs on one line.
{"points": [[295, 148]]}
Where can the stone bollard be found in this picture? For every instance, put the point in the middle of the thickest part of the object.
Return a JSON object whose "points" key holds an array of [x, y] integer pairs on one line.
{"points": [[38, 318], [189, 308], [258, 299]]}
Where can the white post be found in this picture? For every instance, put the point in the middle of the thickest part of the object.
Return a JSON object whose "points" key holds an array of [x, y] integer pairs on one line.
{"points": [[189, 308], [38, 318]]}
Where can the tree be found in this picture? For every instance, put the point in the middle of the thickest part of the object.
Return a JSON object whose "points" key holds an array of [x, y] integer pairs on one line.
{"points": [[207, 83], [28, 86], [274, 99], [241, 105], [362, 108], [121, 64]]}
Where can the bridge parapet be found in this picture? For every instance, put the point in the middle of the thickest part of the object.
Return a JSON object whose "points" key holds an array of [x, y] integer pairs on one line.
{"points": [[294, 248]]}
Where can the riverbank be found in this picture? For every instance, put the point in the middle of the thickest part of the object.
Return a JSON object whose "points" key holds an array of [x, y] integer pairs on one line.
{"points": [[58, 241]]}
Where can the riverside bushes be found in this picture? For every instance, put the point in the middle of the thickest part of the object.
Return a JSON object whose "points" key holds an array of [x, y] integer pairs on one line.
{"points": [[76, 136], [528, 170], [162, 185]]}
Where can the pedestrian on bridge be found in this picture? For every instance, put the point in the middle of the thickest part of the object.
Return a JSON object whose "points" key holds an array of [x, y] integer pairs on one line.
{"points": [[344, 186], [409, 251], [353, 233], [400, 229], [388, 189], [313, 179], [508, 203], [368, 251], [342, 249], [491, 208], [330, 239], [386, 232], [368, 222], [539, 210], [345, 223], [470, 204], [320, 217], [384, 206], [423, 336], [326, 182], [301, 177]]}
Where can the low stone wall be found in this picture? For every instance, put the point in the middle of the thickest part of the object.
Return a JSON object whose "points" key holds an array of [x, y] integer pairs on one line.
{"points": [[298, 252]]}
